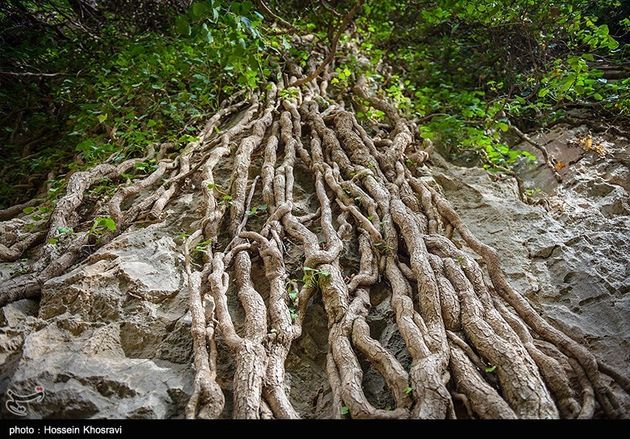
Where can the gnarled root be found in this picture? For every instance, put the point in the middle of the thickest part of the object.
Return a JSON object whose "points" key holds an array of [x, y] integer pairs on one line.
{"points": [[470, 336]]}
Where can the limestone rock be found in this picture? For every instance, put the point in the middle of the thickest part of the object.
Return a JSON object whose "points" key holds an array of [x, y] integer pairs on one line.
{"points": [[111, 338]]}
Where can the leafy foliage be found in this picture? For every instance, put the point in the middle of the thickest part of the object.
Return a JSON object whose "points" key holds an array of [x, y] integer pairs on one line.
{"points": [[312, 277], [466, 69], [77, 88], [103, 224], [125, 90]]}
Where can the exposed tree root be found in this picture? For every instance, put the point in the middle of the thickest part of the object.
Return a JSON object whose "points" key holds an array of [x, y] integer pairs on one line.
{"points": [[550, 162], [471, 337]]}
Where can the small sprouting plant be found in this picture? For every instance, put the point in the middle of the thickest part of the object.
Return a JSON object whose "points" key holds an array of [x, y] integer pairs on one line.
{"points": [[147, 166], [294, 314], [289, 93], [383, 247], [62, 232], [312, 277], [226, 199], [293, 295], [102, 224], [256, 209], [106, 187], [202, 247], [532, 192], [181, 236]]}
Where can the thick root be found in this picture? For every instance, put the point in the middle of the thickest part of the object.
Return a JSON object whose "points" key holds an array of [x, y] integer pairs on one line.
{"points": [[469, 334]]}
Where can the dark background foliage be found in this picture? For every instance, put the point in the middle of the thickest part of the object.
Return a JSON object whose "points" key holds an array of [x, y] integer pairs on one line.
{"points": [[81, 80]]}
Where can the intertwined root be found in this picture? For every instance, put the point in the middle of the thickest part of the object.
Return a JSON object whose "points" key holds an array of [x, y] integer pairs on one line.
{"points": [[470, 336]]}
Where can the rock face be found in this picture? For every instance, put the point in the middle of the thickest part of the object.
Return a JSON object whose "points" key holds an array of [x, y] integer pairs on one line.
{"points": [[111, 338], [572, 260]]}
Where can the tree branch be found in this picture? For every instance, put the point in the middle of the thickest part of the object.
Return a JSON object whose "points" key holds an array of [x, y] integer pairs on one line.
{"points": [[268, 12], [31, 74], [333, 47], [549, 161]]}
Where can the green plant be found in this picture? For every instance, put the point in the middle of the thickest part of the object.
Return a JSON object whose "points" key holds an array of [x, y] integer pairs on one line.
{"points": [[532, 192], [294, 314], [102, 224], [103, 188], [256, 209], [147, 167], [62, 232], [181, 236], [226, 199], [383, 247], [313, 277], [289, 93], [465, 100], [202, 247], [128, 88], [293, 294]]}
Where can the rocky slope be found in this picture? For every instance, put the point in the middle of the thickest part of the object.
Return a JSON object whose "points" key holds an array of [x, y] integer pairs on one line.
{"points": [[111, 338]]}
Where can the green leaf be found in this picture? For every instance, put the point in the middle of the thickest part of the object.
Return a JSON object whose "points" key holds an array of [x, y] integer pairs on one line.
{"points": [[247, 23], [206, 34], [344, 410], [294, 314], [293, 294], [543, 92], [408, 390], [52, 241], [102, 117], [28, 210], [110, 224], [567, 84], [490, 369], [182, 26], [612, 43], [503, 126], [106, 222], [186, 138], [200, 10]]}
